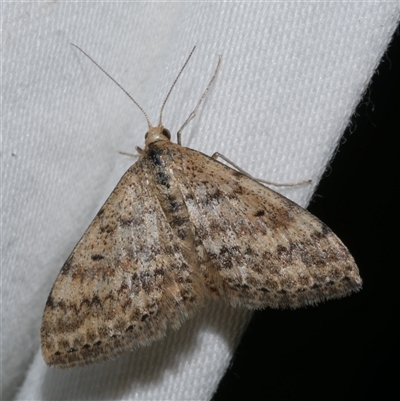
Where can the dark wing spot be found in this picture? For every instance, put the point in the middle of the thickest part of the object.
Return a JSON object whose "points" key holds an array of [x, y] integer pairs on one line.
{"points": [[154, 156], [50, 302], [162, 179], [67, 266], [281, 250], [178, 221]]}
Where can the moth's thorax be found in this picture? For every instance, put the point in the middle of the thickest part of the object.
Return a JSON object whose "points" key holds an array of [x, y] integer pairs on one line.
{"points": [[155, 134]]}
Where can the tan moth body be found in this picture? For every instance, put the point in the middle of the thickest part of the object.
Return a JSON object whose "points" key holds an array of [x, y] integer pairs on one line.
{"points": [[181, 227]]}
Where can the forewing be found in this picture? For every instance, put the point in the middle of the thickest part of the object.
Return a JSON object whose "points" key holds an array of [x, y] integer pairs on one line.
{"points": [[123, 284], [269, 251]]}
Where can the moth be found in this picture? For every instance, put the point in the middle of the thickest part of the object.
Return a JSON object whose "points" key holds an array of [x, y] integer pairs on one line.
{"points": [[181, 227]]}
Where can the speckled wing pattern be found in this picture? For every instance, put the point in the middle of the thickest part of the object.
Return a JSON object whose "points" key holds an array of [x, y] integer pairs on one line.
{"points": [[178, 228], [266, 250], [128, 278]]}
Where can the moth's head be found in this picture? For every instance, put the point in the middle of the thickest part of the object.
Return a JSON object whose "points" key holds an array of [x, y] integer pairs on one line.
{"points": [[155, 134]]}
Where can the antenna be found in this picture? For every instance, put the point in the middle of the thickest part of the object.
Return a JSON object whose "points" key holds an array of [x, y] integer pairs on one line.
{"points": [[120, 86], [193, 113], [172, 86]]}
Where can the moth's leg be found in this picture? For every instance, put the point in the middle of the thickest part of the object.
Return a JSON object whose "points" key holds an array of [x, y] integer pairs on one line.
{"points": [[193, 113], [217, 155], [139, 152]]}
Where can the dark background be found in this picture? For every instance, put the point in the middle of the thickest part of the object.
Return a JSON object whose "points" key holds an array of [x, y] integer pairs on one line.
{"points": [[346, 349]]}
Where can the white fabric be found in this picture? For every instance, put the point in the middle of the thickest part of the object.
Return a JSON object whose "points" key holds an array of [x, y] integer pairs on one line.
{"points": [[292, 75]]}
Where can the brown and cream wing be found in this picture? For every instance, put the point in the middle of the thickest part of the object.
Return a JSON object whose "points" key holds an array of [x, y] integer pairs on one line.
{"points": [[269, 251], [123, 284]]}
